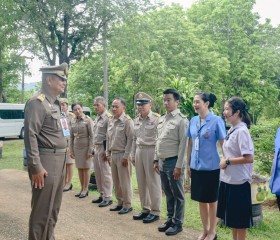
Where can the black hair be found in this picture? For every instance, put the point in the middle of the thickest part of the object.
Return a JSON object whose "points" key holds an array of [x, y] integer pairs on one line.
{"points": [[122, 100], [236, 104], [175, 94], [207, 97], [76, 103]]}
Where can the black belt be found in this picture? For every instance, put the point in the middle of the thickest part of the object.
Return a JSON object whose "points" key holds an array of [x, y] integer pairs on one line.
{"points": [[169, 158]]}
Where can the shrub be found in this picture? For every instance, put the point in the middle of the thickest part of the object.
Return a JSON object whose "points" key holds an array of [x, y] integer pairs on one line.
{"points": [[263, 136]]}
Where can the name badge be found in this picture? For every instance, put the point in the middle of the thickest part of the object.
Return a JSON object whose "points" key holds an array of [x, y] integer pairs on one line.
{"points": [[65, 128], [196, 144]]}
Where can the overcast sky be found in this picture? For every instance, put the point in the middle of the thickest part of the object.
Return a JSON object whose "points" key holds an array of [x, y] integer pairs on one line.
{"points": [[266, 9]]}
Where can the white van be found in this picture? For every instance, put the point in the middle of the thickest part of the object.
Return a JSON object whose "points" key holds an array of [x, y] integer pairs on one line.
{"points": [[11, 120]]}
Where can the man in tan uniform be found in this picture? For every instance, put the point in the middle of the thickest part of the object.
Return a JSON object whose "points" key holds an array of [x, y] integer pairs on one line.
{"points": [[170, 160], [46, 149], [142, 155], [102, 169], [119, 142]]}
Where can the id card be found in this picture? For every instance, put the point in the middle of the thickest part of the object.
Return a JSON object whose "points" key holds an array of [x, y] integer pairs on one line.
{"points": [[196, 144], [65, 128]]}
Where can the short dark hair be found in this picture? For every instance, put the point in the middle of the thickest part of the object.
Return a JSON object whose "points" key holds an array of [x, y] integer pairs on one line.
{"points": [[207, 97], [76, 103], [122, 100], [175, 94]]}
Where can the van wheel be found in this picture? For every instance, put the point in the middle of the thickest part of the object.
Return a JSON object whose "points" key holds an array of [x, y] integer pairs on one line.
{"points": [[21, 136]]}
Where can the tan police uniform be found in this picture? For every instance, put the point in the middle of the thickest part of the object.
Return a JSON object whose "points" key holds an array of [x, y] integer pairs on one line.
{"points": [[46, 148], [119, 142], [143, 151], [170, 151], [81, 140], [102, 169]]}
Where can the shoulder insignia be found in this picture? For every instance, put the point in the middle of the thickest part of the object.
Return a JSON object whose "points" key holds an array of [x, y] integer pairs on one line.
{"points": [[109, 115], [41, 97], [71, 114], [127, 116], [156, 114], [182, 115]]}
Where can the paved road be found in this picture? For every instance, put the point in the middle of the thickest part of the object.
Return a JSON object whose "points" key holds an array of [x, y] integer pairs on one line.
{"points": [[78, 218]]}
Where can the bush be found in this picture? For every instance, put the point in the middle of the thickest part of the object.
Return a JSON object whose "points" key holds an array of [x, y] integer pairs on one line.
{"points": [[263, 136]]}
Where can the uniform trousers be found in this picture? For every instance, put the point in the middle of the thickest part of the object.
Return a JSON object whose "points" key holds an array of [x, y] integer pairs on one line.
{"points": [[46, 202], [122, 180], [174, 191], [103, 174], [149, 184]]}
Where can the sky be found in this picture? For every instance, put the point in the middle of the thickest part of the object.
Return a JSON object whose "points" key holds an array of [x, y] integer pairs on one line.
{"points": [[265, 8]]}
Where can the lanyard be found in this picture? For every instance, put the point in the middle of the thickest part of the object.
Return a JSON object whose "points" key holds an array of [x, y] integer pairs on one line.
{"points": [[227, 136]]}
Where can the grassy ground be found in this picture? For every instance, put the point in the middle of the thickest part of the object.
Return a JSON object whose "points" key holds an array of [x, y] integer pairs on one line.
{"points": [[269, 228]]}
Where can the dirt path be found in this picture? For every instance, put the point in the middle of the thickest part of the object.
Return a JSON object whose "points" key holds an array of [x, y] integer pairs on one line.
{"points": [[78, 218]]}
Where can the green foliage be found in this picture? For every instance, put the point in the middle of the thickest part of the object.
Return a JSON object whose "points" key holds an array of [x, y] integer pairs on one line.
{"points": [[263, 136]]}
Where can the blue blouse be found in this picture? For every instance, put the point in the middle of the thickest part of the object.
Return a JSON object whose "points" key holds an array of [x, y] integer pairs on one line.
{"points": [[275, 176], [205, 156]]}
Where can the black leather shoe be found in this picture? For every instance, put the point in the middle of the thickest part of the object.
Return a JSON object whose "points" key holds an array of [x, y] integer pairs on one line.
{"points": [[98, 200], [125, 210], [68, 189], [165, 226], [140, 216], [173, 230], [150, 218], [83, 195], [78, 194], [105, 203], [116, 208]]}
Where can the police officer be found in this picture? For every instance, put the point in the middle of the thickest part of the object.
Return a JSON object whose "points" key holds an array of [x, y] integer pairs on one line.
{"points": [[69, 161], [142, 155], [46, 148], [102, 169], [119, 142], [170, 160]]}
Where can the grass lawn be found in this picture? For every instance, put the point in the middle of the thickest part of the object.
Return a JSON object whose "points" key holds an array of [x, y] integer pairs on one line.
{"points": [[269, 228]]}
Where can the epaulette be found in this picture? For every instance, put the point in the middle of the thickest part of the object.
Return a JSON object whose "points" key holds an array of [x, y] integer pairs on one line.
{"points": [[41, 97], [127, 116], [182, 115], [109, 115], [71, 114], [156, 114]]}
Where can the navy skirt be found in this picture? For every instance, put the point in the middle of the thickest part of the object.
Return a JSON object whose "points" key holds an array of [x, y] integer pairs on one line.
{"points": [[235, 205], [205, 185]]}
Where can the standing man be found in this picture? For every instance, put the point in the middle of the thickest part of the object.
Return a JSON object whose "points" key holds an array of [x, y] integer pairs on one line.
{"points": [[170, 160], [46, 148], [143, 152], [102, 169], [119, 142]]}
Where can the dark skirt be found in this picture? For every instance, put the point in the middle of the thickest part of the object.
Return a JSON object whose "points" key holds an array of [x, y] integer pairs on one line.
{"points": [[235, 205], [205, 185]]}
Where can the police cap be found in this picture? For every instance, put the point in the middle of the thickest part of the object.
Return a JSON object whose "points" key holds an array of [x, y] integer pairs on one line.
{"points": [[60, 70], [142, 98]]}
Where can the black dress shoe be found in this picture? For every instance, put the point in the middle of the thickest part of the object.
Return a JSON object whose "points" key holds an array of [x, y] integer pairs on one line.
{"points": [[140, 216], [150, 218], [116, 208], [165, 226], [83, 195], [125, 210], [68, 189], [98, 200], [173, 230], [78, 194], [105, 203]]}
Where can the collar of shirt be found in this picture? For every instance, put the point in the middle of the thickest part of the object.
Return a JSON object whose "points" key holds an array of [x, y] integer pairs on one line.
{"points": [[82, 117], [101, 116], [121, 118], [174, 112], [50, 98], [241, 124], [148, 116]]}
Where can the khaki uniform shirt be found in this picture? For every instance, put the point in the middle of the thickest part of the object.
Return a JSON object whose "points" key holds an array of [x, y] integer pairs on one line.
{"points": [[171, 137], [42, 128], [82, 128], [120, 135], [145, 130], [100, 127]]}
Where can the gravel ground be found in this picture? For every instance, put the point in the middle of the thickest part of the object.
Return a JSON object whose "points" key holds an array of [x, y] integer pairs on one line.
{"points": [[78, 219]]}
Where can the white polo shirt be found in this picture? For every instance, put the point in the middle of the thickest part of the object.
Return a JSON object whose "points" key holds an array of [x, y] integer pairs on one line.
{"points": [[239, 143]]}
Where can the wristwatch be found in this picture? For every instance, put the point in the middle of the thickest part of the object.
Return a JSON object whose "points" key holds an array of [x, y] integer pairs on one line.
{"points": [[227, 162]]}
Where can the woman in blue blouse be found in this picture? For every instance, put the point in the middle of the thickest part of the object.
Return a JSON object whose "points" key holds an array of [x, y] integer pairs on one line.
{"points": [[203, 160]]}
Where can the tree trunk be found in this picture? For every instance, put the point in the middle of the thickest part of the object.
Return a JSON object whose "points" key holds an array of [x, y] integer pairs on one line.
{"points": [[1, 76], [105, 63]]}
